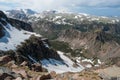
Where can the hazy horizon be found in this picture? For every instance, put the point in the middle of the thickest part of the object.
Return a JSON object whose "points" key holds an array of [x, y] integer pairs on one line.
{"points": [[93, 7]]}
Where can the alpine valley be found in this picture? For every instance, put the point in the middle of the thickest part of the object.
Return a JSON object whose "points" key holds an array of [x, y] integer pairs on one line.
{"points": [[53, 45]]}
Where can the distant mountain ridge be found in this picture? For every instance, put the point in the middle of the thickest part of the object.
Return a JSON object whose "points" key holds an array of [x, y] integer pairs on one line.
{"points": [[20, 14], [28, 14]]}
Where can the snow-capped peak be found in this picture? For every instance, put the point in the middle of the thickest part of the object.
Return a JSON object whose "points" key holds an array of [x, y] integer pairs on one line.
{"points": [[22, 11], [29, 11]]}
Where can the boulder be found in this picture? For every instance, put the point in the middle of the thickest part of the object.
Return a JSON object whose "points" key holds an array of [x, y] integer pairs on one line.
{"points": [[45, 77], [53, 74], [24, 63], [38, 78], [12, 64], [37, 67], [21, 71], [18, 78]]}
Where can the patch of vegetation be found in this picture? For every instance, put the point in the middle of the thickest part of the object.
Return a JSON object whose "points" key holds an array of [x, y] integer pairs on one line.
{"points": [[65, 47], [50, 29], [61, 46], [76, 52]]}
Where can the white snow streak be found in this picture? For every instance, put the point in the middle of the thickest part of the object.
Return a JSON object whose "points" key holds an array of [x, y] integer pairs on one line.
{"points": [[61, 66]]}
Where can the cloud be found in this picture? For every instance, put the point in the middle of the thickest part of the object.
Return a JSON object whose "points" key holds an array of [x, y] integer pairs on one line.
{"points": [[58, 4], [65, 5], [98, 3]]}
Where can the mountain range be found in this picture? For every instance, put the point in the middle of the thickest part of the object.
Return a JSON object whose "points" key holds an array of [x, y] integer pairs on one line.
{"points": [[19, 44], [73, 41], [97, 35]]}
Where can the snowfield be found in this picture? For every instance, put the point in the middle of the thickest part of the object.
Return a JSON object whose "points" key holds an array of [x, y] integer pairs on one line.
{"points": [[61, 66], [13, 37]]}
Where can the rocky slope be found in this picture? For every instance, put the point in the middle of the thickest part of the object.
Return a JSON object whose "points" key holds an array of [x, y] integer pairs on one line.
{"points": [[23, 52], [94, 36], [92, 41], [93, 45]]}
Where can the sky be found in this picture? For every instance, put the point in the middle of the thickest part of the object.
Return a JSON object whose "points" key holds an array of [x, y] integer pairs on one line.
{"points": [[94, 7]]}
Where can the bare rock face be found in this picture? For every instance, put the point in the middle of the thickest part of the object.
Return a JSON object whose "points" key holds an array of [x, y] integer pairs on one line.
{"points": [[2, 15], [16, 23], [1, 31], [97, 43], [20, 24]]}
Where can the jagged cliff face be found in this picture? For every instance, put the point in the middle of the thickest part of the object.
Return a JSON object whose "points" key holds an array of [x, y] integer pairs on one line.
{"points": [[1, 31], [16, 23], [99, 44], [20, 24]]}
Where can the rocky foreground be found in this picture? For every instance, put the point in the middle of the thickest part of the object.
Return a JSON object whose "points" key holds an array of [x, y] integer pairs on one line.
{"points": [[11, 71]]}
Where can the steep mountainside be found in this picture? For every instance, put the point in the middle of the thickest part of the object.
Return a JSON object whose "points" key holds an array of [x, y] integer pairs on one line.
{"points": [[24, 52], [90, 41], [87, 35], [92, 44]]}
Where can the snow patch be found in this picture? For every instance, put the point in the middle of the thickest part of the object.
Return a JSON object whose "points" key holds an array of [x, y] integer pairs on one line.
{"points": [[88, 66], [57, 17], [61, 66], [13, 37], [87, 60]]}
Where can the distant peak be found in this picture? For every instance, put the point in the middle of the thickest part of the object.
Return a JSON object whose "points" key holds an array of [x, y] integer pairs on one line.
{"points": [[26, 11], [29, 11], [50, 11]]}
